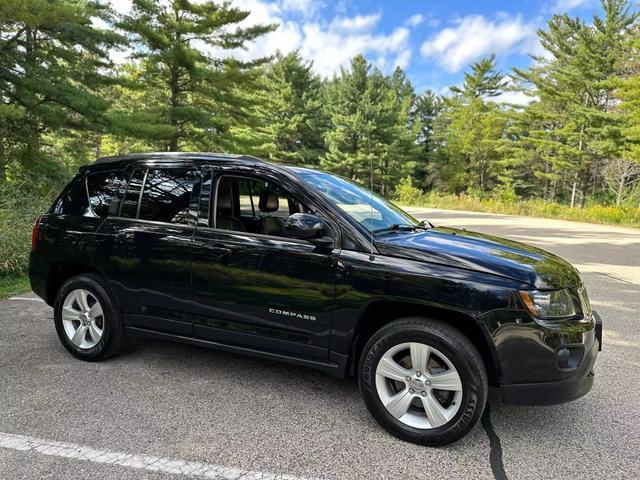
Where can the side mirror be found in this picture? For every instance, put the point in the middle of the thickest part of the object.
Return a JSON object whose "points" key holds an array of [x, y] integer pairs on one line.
{"points": [[306, 226]]}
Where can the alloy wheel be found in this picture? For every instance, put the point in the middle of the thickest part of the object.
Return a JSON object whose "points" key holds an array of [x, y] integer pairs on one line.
{"points": [[82, 318], [418, 385]]}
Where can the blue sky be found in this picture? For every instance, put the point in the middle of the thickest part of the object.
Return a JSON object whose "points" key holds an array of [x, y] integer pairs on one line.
{"points": [[433, 40]]}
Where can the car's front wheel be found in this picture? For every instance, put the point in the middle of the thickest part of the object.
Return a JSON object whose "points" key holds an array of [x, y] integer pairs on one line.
{"points": [[423, 381], [87, 321]]}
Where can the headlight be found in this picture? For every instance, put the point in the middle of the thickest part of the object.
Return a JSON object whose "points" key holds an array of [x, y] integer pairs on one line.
{"points": [[549, 305]]}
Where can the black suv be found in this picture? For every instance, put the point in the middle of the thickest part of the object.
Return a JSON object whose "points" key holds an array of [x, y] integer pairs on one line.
{"points": [[296, 265]]}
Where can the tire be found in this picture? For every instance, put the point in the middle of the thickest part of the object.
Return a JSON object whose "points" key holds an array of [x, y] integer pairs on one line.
{"points": [[88, 345], [460, 402]]}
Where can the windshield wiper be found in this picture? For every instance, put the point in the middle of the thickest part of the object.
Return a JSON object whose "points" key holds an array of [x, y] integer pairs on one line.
{"points": [[404, 227], [397, 227]]}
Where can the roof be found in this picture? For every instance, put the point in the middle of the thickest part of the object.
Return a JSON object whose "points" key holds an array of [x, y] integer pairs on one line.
{"points": [[177, 155]]}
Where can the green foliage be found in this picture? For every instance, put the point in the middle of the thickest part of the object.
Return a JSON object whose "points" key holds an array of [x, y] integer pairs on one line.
{"points": [[370, 131], [574, 127], [611, 215], [483, 81], [197, 93], [407, 194], [20, 205], [470, 131], [52, 65], [13, 284], [291, 113], [63, 103]]}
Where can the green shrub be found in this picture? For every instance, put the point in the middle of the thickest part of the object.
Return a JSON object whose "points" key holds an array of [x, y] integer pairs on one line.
{"points": [[407, 194], [20, 205], [504, 201]]}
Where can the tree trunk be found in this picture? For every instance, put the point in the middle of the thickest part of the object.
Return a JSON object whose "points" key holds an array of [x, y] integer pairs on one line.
{"points": [[545, 192], [175, 102], [575, 179], [621, 183]]}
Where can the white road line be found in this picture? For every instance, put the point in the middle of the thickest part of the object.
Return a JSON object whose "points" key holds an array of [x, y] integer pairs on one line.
{"points": [[28, 299], [144, 462]]}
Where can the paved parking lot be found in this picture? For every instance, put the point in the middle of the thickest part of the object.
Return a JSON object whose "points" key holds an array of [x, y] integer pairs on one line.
{"points": [[162, 409]]}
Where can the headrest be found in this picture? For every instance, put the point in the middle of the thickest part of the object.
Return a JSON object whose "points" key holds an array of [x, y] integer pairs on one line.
{"points": [[268, 202], [224, 199]]}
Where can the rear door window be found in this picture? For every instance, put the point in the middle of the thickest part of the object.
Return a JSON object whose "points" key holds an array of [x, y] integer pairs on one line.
{"points": [[166, 195], [102, 188], [131, 199]]}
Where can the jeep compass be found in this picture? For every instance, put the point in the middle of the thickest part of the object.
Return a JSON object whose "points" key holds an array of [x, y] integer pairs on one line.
{"points": [[300, 266]]}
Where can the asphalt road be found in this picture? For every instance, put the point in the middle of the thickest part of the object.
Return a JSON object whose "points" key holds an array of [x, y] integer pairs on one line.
{"points": [[164, 407]]}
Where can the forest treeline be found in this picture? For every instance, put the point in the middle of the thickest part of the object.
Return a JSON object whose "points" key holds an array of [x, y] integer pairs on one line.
{"points": [[65, 101]]}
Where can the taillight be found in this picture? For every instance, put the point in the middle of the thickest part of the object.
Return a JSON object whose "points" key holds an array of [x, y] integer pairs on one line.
{"points": [[34, 234]]}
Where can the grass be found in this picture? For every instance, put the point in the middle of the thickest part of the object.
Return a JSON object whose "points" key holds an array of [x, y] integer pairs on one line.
{"points": [[609, 215], [14, 284]]}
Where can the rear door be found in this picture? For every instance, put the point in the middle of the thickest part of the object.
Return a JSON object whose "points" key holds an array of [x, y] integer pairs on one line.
{"points": [[253, 286], [144, 247]]}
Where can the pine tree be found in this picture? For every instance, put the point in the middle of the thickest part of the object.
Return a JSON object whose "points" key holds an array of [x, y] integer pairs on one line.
{"points": [[370, 126], [473, 129], [483, 81], [199, 91], [626, 171], [425, 111], [293, 122], [53, 61], [579, 131]]}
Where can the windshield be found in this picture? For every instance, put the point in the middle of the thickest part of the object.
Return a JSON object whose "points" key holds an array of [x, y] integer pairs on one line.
{"points": [[372, 212]]}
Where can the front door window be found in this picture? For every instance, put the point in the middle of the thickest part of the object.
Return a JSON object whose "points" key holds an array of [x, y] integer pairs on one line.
{"points": [[250, 205]]}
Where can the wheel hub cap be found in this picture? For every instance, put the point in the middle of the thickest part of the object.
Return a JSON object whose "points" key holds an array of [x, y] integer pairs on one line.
{"points": [[417, 384]]}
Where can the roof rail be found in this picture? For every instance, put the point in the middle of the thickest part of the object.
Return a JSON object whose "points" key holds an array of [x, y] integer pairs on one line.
{"points": [[159, 155]]}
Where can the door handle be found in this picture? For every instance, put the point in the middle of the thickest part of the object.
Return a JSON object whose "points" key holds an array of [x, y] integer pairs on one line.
{"points": [[341, 270]]}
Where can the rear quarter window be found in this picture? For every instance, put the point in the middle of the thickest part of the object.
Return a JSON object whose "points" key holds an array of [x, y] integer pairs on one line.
{"points": [[73, 200]]}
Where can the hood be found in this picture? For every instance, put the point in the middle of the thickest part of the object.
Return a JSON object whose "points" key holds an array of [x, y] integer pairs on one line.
{"points": [[484, 253]]}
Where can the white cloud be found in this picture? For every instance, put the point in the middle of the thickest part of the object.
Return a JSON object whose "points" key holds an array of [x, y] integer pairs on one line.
{"points": [[332, 49], [329, 44], [121, 6], [403, 59], [473, 37], [562, 6], [306, 7], [514, 98], [357, 23], [414, 20]]}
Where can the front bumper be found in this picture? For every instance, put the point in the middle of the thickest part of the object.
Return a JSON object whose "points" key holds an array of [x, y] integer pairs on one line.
{"points": [[559, 391]]}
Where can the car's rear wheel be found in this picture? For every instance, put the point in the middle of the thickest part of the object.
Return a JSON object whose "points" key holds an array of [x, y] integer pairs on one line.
{"points": [[423, 381], [87, 323]]}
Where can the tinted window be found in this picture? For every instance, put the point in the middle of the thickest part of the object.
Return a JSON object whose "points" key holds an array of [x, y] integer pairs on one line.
{"points": [[132, 196], [73, 200], [204, 199], [102, 188], [245, 192], [239, 206], [166, 195]]}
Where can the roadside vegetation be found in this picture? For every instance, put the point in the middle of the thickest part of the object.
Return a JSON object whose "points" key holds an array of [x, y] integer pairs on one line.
{"points": [[508, 204], [13, 284], [572, 151]]}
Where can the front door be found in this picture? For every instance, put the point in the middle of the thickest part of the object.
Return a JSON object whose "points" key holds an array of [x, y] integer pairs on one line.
{"points": [[253, 285]]}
